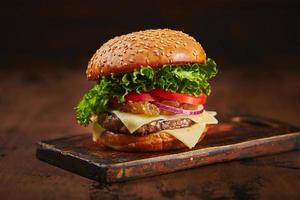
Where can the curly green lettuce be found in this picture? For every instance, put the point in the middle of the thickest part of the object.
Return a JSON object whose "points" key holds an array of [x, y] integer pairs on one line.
{"points": [[188, 78]]}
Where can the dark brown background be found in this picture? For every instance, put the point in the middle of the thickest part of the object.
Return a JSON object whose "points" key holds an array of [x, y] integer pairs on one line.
{"points": [[232, 32], [45, 46]]}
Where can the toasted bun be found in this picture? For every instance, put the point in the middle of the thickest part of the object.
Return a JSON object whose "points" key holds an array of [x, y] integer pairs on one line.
{"points": [[161, 141], [144, 48]]}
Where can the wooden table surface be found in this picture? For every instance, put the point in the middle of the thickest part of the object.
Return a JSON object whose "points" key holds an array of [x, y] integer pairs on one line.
{"points": [[36, 103]]}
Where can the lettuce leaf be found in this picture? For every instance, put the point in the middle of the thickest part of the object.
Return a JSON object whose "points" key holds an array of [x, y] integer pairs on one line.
{"points": [[188, 78]]}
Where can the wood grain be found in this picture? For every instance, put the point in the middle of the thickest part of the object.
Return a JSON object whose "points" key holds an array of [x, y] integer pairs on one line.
{"points": [[37, 104], [236, 137], [46, 47]]}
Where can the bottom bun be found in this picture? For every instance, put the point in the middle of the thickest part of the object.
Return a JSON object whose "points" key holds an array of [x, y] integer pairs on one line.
{"points": [[161, 141]]}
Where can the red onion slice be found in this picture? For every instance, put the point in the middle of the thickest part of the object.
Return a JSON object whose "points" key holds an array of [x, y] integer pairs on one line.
{"points": [[179, 110]]}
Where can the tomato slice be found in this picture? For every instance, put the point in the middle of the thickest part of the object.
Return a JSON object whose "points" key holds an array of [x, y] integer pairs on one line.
{"points": [[134, 96], [183, 98]]}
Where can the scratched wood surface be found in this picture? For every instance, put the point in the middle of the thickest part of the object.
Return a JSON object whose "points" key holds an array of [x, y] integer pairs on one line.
{"points": [[37, 104], [235, 137]]}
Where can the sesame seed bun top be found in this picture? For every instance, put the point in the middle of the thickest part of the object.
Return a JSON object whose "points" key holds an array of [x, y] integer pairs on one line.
{"points": [[153, 48]]}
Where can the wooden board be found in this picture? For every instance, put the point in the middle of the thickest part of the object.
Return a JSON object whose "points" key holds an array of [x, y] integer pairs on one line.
{"points": [[235, 137]]}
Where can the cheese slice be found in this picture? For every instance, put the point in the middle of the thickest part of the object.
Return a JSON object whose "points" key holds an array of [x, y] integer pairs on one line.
{"points": [[207, 117], [97, 130], [135, 121], [188, 136]]}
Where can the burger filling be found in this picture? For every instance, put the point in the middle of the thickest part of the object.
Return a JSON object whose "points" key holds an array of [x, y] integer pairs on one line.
{"points": [[147, 100], [111, 122]]}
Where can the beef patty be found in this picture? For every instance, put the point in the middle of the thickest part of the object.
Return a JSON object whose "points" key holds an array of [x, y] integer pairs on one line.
{"points": [[111, 122]]}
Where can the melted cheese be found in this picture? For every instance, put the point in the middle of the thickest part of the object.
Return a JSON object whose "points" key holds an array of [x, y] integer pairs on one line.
{"points": [[188, 136], [97, 130], [134, 121]]}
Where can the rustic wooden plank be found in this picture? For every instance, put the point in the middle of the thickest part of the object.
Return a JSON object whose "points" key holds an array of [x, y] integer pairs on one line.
{"points": [[22, 176], [237, 137]]}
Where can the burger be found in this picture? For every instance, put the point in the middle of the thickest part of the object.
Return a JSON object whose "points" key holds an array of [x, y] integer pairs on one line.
{"points": [[150, 92]]}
